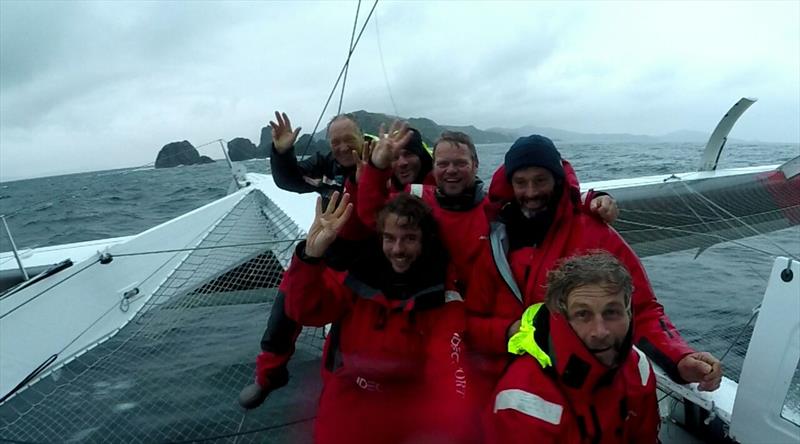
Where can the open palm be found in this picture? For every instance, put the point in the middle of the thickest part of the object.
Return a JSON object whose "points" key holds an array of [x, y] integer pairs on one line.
{"points": [[327, 224], [282, 135], [389, 144]]}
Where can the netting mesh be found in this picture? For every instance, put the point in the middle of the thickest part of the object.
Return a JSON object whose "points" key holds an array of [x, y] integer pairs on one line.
{"points": [[708, 247], [174, 372]]}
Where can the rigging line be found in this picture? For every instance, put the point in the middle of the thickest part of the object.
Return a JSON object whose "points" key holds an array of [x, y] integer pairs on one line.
{"points": [[672, 214], [753, 316], [111, 308], [691, 208], [53, 357], [349, 50], [383, 67], [42, 367], [30, 377], [716, 213], [710, 203], [714, 236], [50, 288], [178, 250], [330, 96]]}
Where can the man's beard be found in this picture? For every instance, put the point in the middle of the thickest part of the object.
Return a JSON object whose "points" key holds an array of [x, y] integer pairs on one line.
{"points": [[530, 213]]}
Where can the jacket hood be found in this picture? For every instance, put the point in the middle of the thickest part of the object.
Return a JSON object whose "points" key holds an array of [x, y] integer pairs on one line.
{"points": [[550, 339]]}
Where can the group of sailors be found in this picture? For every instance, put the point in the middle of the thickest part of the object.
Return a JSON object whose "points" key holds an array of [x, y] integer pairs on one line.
{"points": [[459, 314]]}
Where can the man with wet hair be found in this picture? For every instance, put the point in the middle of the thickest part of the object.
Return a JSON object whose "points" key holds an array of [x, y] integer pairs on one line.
{"points": [[578, 378], [537, 224], [392, 369]]}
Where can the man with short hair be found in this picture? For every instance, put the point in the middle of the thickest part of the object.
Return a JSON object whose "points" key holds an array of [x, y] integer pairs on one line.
{"points": [[392, 363], [458, 199], [319, 173], [413, 163], [536, 225], [579, 378]]}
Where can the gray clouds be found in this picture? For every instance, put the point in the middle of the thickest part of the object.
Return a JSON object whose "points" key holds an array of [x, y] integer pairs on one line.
{"points": [[105, 84]]}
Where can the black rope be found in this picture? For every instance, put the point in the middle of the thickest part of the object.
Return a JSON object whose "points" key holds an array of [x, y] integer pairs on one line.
{"points": [[739, 336], [341, 73], [349, 51], [50, 288], [30, 376], [248, 432]]}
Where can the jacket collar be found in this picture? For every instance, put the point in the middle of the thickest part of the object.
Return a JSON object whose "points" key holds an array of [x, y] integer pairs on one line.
{"points": [[574, 366], [465, 201], [500, 242]]}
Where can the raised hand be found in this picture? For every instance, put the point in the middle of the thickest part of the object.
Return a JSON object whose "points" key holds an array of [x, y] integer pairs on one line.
{"points": [[327, 224], [361, 160], [282, 135], [389, 144], [606, 207]]}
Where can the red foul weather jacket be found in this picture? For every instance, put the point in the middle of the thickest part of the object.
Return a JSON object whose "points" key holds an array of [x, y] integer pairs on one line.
{"points": [[462, 222], [505, 283], [561, 394], [392, 367]]}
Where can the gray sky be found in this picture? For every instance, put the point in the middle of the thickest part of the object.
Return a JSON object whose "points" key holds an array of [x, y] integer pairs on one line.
{"points": [[88, 86]]}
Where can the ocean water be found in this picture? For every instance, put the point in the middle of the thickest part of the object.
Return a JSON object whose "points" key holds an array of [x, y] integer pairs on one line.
{"points": [[710, 298], [96, 205]]}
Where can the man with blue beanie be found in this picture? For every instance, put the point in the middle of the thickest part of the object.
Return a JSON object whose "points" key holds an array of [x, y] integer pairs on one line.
{"points": [[539, 224]]}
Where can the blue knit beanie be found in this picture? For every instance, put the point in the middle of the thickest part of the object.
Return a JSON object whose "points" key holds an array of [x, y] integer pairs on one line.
{"points": [[535, 150]]}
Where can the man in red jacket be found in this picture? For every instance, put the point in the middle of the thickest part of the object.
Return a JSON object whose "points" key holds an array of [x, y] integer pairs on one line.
{"points": [[537, 226], [457, 199], [335, 171], [392, 369], [578, 379]]}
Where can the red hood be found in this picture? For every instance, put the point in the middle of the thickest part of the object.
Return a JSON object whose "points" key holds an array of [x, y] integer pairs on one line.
{"points": [[501, 192]]}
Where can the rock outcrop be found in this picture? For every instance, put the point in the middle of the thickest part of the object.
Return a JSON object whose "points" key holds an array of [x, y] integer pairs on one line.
{"points": [[241, 148], [177, 153]]}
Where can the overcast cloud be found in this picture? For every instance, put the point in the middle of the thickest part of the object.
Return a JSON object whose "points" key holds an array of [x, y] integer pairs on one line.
{"points": [[98, 85]]}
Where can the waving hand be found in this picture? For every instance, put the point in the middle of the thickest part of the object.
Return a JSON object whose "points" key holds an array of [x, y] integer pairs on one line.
{"points": [[327, 224], [390, 144], [282, 135]]}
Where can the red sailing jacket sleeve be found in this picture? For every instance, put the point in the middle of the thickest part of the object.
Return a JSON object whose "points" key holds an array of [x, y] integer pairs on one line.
{"points": [[353, 229], [486, 328], [654, 333], [373, 192], [313, 294]]}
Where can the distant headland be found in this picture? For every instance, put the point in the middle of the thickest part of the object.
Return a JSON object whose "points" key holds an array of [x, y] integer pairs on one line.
{"points": [[241, 148]]}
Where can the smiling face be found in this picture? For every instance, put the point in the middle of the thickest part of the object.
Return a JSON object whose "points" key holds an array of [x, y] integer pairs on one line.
{"points": [[406, 166], [533, 189], [454, 168], [402, 242], [344, 137], [599, 317]]}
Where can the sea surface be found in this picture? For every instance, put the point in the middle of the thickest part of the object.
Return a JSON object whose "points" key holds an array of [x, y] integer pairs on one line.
{"points": [[709, 298]]}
